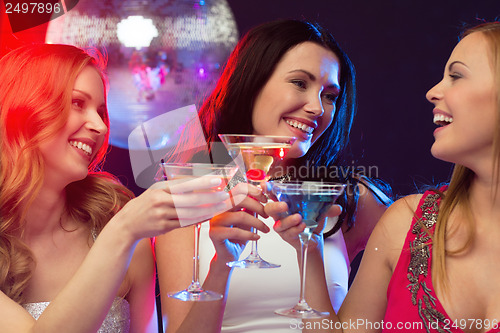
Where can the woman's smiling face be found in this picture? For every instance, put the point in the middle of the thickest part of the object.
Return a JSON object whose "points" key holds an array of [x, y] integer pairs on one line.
{"points": [[299, 97], [69, 153], [465, 105]]}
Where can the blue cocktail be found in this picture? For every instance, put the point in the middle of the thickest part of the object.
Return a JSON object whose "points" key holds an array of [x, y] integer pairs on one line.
{"points": [[311, 200]]}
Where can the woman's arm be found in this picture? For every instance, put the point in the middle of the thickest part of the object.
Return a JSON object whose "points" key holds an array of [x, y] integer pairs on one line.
{"points": [[336, 268], [141, 296], [174, 260], [229, 232], [85, 300], [366, 300], [369, 210], [83, 303]]}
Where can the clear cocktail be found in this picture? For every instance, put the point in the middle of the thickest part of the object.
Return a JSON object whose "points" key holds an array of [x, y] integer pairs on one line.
{"points": [[259, 154]]}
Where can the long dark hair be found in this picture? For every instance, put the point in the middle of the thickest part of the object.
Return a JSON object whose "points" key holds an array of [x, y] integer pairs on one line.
{"points": [[229, 107]]}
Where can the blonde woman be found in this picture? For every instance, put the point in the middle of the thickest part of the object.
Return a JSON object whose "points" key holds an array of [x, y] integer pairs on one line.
{"points": [[431, 262]]}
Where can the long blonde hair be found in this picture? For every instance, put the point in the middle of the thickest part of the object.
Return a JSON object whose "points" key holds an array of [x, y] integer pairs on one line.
{"points": [[36, 83], [457, 194]]}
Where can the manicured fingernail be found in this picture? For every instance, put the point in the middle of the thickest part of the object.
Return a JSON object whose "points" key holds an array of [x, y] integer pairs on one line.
{"points": [[223, 195], [215, 181]]}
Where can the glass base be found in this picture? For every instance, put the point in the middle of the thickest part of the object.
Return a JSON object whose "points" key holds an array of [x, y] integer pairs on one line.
{"points": [[194, 294], [302, 311], [252, 262]]}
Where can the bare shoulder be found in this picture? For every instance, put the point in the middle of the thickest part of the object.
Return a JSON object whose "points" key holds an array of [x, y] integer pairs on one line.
{"points": [[392, 228], [379, 260], [399, 214], [403, 207]]}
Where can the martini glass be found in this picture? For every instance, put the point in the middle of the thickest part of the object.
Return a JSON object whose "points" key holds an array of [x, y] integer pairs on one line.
{"points": [[259, 154], [189, 171], [310, 200]]}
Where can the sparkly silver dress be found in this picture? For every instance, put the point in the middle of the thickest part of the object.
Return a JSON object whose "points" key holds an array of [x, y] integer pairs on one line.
{"points": [[117, 320]]}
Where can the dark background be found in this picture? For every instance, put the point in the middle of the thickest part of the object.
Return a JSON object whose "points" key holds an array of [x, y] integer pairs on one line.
{"points": [[399, 49]]}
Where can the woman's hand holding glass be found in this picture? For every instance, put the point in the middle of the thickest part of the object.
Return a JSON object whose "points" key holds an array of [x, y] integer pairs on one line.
{"points": [[312, 200], [290, 226], [167, 205], [231, 230]]}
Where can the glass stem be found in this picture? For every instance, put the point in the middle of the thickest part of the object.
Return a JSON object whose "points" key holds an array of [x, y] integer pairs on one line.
{"points": [[304, 242], [253, 252], [196, 261]]}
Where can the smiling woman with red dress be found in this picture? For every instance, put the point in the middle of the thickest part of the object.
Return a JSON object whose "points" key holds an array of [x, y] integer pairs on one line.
{"points": [[431, 264]]}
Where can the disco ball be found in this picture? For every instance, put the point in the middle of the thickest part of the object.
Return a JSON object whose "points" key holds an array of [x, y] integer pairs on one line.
{"points": [[162, 55]]}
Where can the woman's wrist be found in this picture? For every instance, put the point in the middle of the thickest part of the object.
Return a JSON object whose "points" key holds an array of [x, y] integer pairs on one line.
{"points": [[219, 263], [118, 236]]}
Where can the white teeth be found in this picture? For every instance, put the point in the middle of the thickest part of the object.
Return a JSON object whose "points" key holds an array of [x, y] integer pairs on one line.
{"points": [[83, 146], [301, 126], [440, 118]]}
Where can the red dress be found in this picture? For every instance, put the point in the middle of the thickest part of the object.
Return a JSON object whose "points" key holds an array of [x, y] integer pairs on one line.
{"points": [[412, 304]]}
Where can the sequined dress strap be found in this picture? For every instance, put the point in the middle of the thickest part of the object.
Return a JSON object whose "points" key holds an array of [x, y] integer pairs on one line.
{"points": [[116, 321], [419, 277], [411, 297]]}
